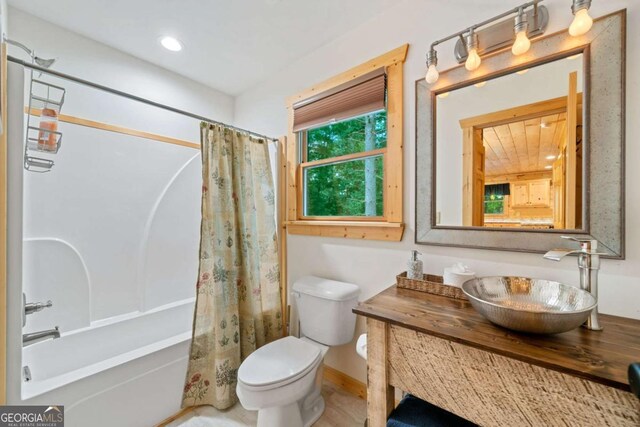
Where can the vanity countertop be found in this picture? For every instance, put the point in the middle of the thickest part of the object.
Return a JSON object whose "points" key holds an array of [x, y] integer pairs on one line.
{"points": [[599, 356]]}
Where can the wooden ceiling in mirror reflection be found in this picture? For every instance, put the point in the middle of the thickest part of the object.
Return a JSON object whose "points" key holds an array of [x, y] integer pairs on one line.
{"points": [[523, 146], [519, 140]]}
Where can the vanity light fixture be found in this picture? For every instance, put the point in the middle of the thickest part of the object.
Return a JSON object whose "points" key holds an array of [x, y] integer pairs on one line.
{"points": [[522, 43], [530, 20], [582, 22]]}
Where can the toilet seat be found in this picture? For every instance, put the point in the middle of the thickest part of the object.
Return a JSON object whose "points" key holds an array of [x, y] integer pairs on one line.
{"points": [[278, 363]]}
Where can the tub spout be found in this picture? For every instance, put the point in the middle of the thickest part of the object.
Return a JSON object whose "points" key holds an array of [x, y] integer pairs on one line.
{"points": [[34, 337]]}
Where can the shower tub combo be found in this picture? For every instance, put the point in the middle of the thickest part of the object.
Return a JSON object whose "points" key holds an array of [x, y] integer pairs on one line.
{"points": [[110, 236]]}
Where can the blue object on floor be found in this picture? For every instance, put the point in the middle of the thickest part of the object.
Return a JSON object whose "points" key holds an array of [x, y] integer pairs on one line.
{"points": [[634, 378], [414, 412]]}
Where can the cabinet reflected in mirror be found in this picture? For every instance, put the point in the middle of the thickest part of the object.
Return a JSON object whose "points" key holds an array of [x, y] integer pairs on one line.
{"points": [[509, 151]]}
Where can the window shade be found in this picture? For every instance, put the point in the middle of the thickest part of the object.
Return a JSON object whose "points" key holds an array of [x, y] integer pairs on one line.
{"points": [[497, 190], [360, 96]]}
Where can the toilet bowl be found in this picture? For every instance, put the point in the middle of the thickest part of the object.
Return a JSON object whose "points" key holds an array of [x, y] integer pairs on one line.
{"points": [[283, 382], [283, 379]]}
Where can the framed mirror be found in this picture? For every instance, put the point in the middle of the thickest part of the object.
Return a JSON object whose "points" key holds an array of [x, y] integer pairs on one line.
{"points": [[525, 149]]}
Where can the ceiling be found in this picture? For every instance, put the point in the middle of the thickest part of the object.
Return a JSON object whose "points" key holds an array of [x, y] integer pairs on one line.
{"points": [[523, 146], [228, 45]]}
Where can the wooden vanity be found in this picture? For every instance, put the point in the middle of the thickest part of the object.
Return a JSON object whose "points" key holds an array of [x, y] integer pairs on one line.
{"points": [[443, 351]]}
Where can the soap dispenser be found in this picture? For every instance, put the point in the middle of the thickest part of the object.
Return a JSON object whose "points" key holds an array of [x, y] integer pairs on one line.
{"points": [[414, 266]]}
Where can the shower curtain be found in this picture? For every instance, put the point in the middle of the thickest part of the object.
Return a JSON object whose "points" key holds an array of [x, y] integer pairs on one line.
{"points": [[238, 305]]}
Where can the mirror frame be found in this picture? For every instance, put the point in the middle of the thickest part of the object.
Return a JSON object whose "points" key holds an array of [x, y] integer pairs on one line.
{"points": [[604, 47]]}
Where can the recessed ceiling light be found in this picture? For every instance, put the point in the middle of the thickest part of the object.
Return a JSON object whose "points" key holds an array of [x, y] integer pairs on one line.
{"points": [[480, 84], [521, 72], [171, 43], [551, 157], [443, 95], [548, 167]]}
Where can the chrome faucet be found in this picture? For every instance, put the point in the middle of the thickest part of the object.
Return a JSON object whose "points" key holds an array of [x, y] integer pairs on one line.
{"points": [[34, 337], [589, 264], [32, 307]]}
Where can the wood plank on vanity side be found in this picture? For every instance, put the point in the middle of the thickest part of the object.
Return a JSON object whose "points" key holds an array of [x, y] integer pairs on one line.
{"points": [[380, 395], [602, 357]]}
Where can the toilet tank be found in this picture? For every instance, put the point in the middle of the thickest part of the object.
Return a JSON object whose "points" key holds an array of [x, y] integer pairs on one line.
{"points": [[324, 309]]}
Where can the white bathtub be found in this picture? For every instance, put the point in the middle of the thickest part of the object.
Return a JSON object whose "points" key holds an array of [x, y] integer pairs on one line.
{"points": [[104, 345]]}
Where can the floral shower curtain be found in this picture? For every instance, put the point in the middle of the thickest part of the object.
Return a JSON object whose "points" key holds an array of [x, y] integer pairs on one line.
{"points": [[238, 305]]}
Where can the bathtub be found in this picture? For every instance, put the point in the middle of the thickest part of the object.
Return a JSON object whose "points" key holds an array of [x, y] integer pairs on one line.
{"points": [[104, 345]]}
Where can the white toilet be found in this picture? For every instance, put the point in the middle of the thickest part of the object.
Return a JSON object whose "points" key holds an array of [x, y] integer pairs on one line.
{"points": [[283, 379]]}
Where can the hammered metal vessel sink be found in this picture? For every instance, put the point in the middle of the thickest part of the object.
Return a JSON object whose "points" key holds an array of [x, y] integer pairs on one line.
{"points": [[529, 305]]}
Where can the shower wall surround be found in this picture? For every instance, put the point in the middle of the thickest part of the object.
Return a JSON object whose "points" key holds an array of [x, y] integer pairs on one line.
{"points": [[110, 235]]}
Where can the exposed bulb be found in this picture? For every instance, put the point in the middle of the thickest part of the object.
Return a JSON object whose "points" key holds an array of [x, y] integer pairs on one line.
{"points": [[473, 60], [432, 74], [522, 43], [581, 24]]}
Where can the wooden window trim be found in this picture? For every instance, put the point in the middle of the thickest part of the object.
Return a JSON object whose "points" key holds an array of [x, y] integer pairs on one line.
{"points": [[388, 227]]}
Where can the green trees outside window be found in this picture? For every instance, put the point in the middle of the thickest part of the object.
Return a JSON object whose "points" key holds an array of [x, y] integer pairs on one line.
{"points": [[348, 188], [494, 204]]}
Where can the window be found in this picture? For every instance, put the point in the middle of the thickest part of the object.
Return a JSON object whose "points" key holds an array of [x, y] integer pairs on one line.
{"points": [[344, 153], [494, 198], [493, 205]]}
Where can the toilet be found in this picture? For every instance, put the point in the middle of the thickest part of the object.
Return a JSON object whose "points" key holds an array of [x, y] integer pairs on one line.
{"points": [[283, 379]]}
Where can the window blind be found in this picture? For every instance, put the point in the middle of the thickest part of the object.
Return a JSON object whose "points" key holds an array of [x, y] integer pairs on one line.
{"points": [[362, 95], [497, 190]]}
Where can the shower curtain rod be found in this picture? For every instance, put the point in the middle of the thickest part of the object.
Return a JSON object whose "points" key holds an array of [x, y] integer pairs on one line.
{"points": [[130, 96]]}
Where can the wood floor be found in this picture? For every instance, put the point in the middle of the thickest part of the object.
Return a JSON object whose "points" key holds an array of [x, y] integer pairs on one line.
{"points": [[342, 409]]}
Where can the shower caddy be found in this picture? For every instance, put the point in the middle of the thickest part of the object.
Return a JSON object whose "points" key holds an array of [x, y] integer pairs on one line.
{"points": [[42, 96]]}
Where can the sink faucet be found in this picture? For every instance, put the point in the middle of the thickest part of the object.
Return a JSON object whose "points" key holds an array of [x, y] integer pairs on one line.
{"points": [[589, 264], [34, 337]]}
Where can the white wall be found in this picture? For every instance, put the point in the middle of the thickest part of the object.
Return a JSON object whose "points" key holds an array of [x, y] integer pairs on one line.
{"points": [[373, 265], [129, 206], [90, 60], [540, 83]]}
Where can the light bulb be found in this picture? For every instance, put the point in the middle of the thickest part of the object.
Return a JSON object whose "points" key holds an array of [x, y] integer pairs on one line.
{"points": [[581, 23], [522, 44], [432, 74], [473, 60]]}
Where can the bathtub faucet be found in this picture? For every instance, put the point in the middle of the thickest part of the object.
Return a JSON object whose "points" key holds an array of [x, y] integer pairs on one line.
{"points": [[34, 337]]}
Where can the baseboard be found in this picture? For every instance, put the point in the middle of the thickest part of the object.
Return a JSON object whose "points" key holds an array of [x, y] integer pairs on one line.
{"points": [[345, 382]]}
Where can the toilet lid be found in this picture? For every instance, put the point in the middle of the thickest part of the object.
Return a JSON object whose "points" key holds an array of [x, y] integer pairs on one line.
{"points": [[278, 361]]}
